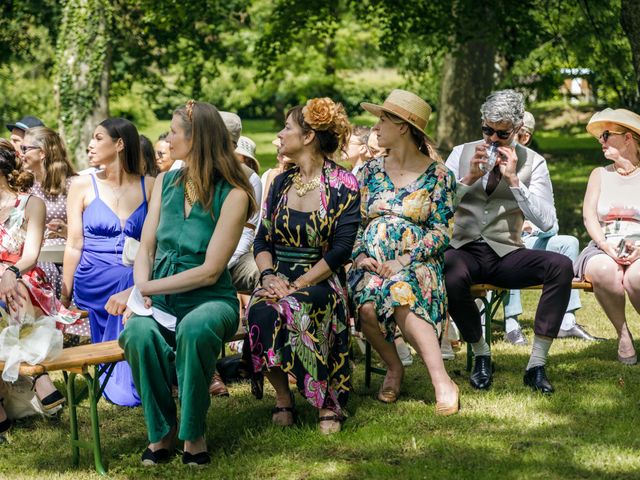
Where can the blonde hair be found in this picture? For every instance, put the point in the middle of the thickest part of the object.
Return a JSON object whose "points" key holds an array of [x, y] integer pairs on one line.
{"points": [[56, 165], [212, 154]]}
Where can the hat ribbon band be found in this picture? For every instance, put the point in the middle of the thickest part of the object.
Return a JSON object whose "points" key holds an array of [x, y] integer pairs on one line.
{"points": [[406, 114]]}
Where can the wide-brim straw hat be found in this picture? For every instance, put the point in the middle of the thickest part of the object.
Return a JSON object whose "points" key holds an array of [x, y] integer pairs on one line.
{"points": [[620, 116], [405, 105]]}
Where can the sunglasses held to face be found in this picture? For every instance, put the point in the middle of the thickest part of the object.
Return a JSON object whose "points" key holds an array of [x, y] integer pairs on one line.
{"points": [[502, 134]]}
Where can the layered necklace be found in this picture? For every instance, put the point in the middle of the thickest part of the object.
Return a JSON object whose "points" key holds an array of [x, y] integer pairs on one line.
{"points": [[190, 194], [302, 188]]}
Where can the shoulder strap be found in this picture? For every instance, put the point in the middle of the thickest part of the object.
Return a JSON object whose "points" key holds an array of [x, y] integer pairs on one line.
{"points": [[95, 185], [144, 192]]}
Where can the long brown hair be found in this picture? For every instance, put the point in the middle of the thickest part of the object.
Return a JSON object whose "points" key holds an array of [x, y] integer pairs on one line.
{"points": [[56, 165], [212, 154]]}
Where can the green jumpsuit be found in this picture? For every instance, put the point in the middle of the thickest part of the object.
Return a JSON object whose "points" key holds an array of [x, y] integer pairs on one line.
{"points": [[206, 318]]}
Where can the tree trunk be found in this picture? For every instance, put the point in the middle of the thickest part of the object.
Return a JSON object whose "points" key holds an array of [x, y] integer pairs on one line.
{"points": [[82, 73], [467, 79], [630, 21]]}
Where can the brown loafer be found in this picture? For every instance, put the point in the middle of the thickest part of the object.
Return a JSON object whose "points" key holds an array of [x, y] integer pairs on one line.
{"points": [[388, 395], [446, 409], [217, 388]]}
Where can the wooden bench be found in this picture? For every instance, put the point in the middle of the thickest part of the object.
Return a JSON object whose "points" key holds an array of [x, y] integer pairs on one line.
{"points": [[99, 357], [490, 308]]}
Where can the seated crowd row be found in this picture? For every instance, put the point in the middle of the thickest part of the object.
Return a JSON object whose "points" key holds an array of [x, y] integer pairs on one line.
{"points": [[158, 262]]}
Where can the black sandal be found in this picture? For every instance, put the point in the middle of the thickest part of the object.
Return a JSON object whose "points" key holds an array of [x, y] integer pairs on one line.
{"points": [[52, 400], [335, 419], [5, 425], [291, 409]]}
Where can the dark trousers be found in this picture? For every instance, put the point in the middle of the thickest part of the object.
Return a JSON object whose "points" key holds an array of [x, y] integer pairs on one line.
{"points": [[476, 262]]}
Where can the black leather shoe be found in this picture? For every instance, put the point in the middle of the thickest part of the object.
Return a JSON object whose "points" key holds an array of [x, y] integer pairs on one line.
{"points": [[150, 458], [578, 331], [537, 379], [482, 374], [516, 337], [5, 425]]}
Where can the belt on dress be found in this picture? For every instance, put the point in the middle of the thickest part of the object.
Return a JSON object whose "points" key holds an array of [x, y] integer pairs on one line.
{"points": [[304, 255]]}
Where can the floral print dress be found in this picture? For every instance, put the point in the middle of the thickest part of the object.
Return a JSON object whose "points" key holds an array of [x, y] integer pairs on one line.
{"points": [[306, 333], [415, 220]]}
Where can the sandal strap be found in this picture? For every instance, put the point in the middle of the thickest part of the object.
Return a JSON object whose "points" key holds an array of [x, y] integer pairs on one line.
{"points": [[332, 418], [290, 409]]}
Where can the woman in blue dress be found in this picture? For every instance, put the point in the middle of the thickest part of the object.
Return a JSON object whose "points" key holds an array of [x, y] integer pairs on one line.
{"points": [[105, 212]]}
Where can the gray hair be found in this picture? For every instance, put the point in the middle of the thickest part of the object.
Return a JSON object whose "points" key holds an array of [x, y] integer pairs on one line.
{"points": [[504, 106]]}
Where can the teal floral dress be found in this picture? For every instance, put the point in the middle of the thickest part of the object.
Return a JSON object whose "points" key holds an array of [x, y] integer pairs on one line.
{"points": [[415, 220], [306, 333]]}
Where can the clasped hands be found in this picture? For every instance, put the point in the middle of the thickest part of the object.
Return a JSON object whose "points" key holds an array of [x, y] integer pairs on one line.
{"points": [[10, 292], [384, 269], [630, 254], [276, 287]]}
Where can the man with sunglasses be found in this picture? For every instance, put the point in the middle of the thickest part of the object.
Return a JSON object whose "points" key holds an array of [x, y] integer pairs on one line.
{"points": [[19, 128], [487, 246]]}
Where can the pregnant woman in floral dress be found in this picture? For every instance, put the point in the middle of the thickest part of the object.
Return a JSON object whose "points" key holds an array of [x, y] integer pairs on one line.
{"points": [[407, 207]]}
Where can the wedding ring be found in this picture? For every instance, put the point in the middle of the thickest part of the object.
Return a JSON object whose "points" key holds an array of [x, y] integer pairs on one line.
{"points": [[271, 285]]}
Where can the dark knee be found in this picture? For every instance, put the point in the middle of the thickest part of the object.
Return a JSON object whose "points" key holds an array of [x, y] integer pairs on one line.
{"points": [[367, 314]]}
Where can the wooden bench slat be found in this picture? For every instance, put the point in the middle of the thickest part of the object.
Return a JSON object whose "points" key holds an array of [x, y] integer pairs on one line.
{"points": [[77, 358], [478, 288]]}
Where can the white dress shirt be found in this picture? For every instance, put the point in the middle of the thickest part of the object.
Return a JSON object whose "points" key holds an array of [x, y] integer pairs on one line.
{"points": [[248, 234]]}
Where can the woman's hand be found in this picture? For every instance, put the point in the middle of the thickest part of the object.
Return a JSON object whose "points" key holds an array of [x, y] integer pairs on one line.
{"points": [[57, 229], [9, 291], [632, 253], [274, 287], [126, 315], [117, 303], [612, 252], [389, 268], [368, 263]]}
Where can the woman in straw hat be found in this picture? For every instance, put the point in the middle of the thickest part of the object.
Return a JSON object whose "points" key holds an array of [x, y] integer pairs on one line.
{"points": [[298, 317], [611, 212], [407, 208]]}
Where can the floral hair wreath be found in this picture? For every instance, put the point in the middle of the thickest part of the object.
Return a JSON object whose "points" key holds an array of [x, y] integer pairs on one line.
{"points": [[323, 114], [189, 108]]}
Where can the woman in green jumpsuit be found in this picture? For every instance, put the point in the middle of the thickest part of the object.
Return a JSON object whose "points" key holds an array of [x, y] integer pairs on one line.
{"points": [[194, 223]]}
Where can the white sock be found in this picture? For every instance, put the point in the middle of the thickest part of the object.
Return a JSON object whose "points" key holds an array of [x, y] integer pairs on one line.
{"points": [[568, 321], [539, 352], [481, 348], [511, 324]]}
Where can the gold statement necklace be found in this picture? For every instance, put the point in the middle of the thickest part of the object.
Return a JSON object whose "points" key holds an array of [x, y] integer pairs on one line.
{"points": [[190, 192], [303, 188]]}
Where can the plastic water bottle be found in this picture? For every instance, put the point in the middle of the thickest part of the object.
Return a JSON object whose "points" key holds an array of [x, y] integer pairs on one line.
{"points": [[492, 157]]}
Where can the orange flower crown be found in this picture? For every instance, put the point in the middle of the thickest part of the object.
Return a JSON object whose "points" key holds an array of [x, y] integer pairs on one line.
{"points": [[323, 114]]}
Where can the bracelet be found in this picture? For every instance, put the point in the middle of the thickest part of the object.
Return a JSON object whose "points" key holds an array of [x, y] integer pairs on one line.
{"points": [[15, 270], [266, 272], [295, 285]]}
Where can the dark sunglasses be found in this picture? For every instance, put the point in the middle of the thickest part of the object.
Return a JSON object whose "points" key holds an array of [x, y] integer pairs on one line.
{"points": [[25, 148], [604, 136], [502, 134]]}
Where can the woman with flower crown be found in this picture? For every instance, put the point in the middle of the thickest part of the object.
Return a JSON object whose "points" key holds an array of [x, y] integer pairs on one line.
{"points": [[298, 316], [407, 212], [195, 220]]}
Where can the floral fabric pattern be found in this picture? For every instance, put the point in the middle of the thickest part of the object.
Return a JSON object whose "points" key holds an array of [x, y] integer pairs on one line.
{"points": [[416, 220], [306, 333]]}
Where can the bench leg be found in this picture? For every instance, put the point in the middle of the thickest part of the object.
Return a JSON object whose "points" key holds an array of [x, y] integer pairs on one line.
{"points": [[94, 396], [73, 417], [490, 308]]}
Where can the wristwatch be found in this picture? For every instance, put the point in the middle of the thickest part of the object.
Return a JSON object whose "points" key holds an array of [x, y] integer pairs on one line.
{"points": [[15, 270]]}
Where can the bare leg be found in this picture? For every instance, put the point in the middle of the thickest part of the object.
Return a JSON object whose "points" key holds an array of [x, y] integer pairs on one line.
{"points": [[632, 284], [280, 383], [607, 278], [167, 441], [422, 337], [196, 446], [387, 351]]}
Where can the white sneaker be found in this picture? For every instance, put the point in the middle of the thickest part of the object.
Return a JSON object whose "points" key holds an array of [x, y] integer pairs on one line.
{"points": [[405, 354], [446, 351]]}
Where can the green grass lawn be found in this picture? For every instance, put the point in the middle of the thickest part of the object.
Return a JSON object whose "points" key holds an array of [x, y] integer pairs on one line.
{"points": [[585, 430]]}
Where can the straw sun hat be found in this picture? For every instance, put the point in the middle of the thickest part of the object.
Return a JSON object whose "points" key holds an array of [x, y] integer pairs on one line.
{"points": [[620, 116], [405, 105]]}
